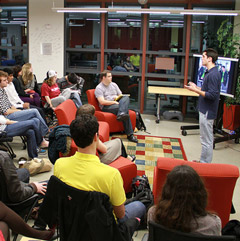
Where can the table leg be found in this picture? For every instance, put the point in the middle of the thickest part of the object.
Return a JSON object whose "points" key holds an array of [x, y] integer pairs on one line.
{"points": [[158, 108]]}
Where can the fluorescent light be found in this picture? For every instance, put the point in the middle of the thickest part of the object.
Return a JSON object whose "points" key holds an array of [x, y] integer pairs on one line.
{"points": [[133, 20], [175, 21], [198, 22], [155, 20], [143, 11], [93, 19], [210, 12], [148, 11]]}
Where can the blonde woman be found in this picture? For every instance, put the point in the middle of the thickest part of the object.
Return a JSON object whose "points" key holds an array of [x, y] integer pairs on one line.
{"points": [[28, 83]]}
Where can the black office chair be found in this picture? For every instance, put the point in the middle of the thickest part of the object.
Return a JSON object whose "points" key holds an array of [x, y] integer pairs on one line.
{"points": [[158, 232], [23, 208], [82, 215], [4, 141]]}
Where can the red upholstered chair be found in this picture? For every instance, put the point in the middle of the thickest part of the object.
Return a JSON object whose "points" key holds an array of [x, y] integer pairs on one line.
{"points": [[219, 179], [111, 119], [66, 112]]}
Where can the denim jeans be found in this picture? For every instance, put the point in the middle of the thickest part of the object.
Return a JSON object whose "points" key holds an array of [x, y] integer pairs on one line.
{"points": [[29, 114], [30, 129], [133, 210], [75, 97], [206, 137], [119, 109]]}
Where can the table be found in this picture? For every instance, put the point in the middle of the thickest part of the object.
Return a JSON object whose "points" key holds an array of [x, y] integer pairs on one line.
{"points": [[168, 91]]}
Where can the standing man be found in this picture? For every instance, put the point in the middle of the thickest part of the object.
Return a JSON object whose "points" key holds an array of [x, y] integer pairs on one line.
{"points": [[106, 93], [90, 174], [209, 95]]}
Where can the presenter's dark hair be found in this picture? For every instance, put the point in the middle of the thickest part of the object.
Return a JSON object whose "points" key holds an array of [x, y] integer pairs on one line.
{"points": [[211, 53], [183, 199], [83, 130], [104, 73]]}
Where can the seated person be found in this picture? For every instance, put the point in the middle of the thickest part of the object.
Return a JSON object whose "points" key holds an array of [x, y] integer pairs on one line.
{"points": [[28, 128], [106, 93], [108, 151], [51, 94], [28, 82], [13, 114], [72, 81], [9, 219], [135, 60], [92, 175], [128, 65], [182, 205], [71, 85], [14, 97], [25, 97]]}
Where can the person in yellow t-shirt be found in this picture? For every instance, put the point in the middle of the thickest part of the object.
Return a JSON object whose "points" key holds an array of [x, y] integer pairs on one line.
{"points": [[85, 171], [135, 60]]}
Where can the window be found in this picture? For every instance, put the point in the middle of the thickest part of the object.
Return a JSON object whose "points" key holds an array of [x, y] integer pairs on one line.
{"points": [[13, 35]]}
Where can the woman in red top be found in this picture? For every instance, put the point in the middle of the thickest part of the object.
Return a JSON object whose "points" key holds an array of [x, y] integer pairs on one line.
{"points": [[50, 92]]}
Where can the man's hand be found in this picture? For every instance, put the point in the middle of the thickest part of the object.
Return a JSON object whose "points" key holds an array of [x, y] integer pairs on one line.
{"points": [[26, 105], [31, 96], [192, 87], [41, 187]]}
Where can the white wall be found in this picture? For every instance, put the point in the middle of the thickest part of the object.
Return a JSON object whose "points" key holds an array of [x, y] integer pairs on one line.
{"points": [[46, 26]]}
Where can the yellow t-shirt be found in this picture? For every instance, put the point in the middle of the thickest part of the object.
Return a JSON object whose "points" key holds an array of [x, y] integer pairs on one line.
{"points": [[87, 173], [135, 60]]}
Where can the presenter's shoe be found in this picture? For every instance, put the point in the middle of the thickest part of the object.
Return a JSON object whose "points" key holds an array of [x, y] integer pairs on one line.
{"points": [[122, 116], [132, 138]]}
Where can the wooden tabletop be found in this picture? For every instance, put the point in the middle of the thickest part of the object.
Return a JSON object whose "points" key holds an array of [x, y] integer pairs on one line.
{"points": [[170, 91]]}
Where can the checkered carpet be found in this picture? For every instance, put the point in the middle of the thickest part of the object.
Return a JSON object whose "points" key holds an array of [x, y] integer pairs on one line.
{"points": [[149, 148]]}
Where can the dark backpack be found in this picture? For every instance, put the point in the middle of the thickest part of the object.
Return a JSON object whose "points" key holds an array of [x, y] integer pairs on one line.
{"points": [[142, 191], [139, 122], [232, 228]]}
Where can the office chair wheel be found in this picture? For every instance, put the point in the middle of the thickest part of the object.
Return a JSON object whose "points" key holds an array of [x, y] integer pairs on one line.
{"points": [[157, 121], [184, 133]]}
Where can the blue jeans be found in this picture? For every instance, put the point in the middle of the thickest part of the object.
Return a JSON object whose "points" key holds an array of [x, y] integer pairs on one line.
{"points": [[29, 114], [206, 137], [75, 97], [121, 108], [133, 210], [30, 129]]}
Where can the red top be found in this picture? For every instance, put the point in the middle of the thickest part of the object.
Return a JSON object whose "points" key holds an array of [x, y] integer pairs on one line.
{"points": [[51, 91]]}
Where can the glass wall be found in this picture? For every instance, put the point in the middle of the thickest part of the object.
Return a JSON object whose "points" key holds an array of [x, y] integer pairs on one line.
{"points": [[165, 45], [13, 35]]}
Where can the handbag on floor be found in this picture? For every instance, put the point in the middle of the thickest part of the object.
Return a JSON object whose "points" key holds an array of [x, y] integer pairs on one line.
{"points": [[36, 166]]}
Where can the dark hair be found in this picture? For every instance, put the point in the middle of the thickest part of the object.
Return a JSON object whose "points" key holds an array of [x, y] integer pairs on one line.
{"points": [[85, 109], [8, 71], [72, 78], [83, 130], [183, 199], [104, 74], [16, 70], [211, 53]]}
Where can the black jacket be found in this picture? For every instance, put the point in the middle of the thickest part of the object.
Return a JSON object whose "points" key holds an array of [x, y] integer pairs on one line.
{"points": [[16, 191], [58, 142], [19, 88], [82, 215]]}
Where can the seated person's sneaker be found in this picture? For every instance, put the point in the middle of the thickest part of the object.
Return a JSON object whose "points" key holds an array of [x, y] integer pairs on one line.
{"points": [[132, 138], [122, 116]]}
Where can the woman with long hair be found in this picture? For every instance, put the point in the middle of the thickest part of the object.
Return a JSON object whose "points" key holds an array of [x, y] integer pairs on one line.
{"points": [[183, 202], [26, 85]]}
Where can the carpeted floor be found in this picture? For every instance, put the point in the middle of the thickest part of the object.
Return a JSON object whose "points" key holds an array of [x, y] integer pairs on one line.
{"points": [[149, 148]]}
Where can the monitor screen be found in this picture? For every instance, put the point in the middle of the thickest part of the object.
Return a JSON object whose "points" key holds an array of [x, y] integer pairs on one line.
{"points": [[228, 67]]}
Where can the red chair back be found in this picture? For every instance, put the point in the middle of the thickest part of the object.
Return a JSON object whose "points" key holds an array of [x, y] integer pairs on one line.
{"points": [[92, 99], [219, 179], [66, 112]]}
